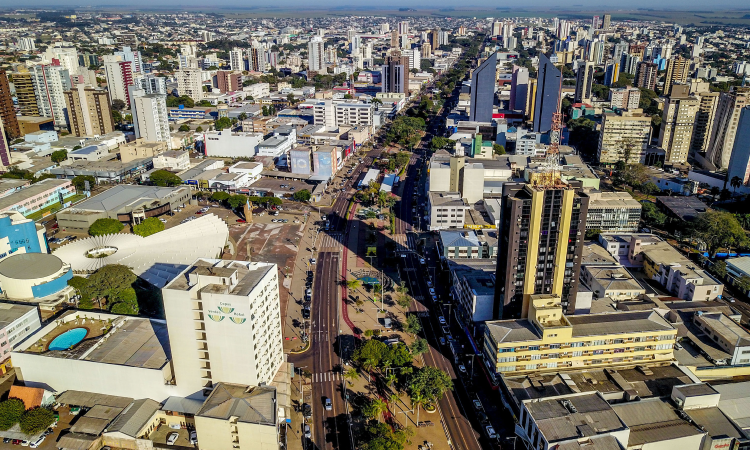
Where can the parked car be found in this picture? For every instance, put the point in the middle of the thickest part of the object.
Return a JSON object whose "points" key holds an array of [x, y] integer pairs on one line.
{"points": [[307, 410], [241, 221], [313, 261], [172, 438], [308, 434], [38, 442], [478, 405], [193, 437], [490, 432], [441, 319], [442, 341], [462, 368]]}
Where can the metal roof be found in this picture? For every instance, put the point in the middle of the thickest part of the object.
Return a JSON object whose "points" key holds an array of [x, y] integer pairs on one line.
{"points": [[127, 197], [134, 417], [91, 399], [30, 266], [249, 404], [20, 197]]}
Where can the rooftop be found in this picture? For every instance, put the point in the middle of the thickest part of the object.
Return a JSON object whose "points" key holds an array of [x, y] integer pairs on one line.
{"points": [[684, 207], [249, 275], [573, 417], [127, 196], [617, 323], [134, 417], [10, 312], [725, 327], [441, 199], [30, 266], [250, 404], [652, 421], [20, 197]]}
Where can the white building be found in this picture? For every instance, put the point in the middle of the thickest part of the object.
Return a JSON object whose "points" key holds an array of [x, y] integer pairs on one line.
{"points": [[16, 322], [190, 83], [237, 59], [253, 170], [50, 84], [67, 57], [134, 57], [228, 144], [447, 210], [173, 159], [257, 90], [331, 114], [119, 77], [152, 84], [25, 44], [150, 119], [315, 53]]}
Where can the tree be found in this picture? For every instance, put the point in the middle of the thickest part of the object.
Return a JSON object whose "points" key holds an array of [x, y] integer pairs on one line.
{"points": [[413, 325], [742, 283], [498, 149], [374, 408], [353, 284], [719, 268], [302, 196], [116, 116], [290, 98], [80, 182], [164, 178], [105, 226], [438, 142], [635, 174], [184, 127], [36, 420], [651, 214], [118, 105], [150, 226], [124, 302], [735, 182], [199, 129], [370, 350], [59, 156], [264, 110], [11, 412], [220, 196], [235, 201], [719, 230], [81, 284], [593, 233], [111, 280], [351, 374], [242, 116], [649, 188], [419, 346], [430, 382], [222, 123]]}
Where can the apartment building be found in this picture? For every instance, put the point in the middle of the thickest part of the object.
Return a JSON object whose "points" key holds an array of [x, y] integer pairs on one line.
{"points": [[677, 274], [705, 118], [540, 245], [646, 75], [220, 309], [678, 70], [678, 124], [227, 81], [726, 121], [550, 340], [119, 77], [7, 112], [395, 74], [150, 119], [236, 59], [739, 163], [89, 111], [611, 281], [315, 54], [190, 83], [50, 84], [24, 84], [447, 210], [331, 115], [152, 84], [613, 212], [625, 98], [624, 137], [584, 81]]}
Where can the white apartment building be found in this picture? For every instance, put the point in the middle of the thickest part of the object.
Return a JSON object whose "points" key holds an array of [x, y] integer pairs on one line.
{"points": [[678, 123], [415, 58], [67, 57], [150, 119], [624, 137], [50, 84], [447, 210], [224, 324], [330, 114], [190, 83], [173, 159], [236, 59], [152, 84], [613, 212], [257, 90], [119, 77], [16, 322], [25, 44], [625, 98], [134, 57], [315, 53]]}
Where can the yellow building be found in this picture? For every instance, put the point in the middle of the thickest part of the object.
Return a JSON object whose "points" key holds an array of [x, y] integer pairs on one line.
{"points": [[25, 92], [549, 340]]}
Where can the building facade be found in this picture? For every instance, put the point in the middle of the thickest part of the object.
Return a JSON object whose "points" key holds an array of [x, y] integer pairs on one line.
{"points": [[547, 100], [150, 119], [7, 112], [613, 212], [725, 126], [89, 111], [678, 124], [190, 83], [395, 74], [624, 137], [483, 80], [50, 84]]}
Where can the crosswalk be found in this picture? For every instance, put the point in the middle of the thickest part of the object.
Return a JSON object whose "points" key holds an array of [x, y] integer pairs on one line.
{"points": [[332, 241], [322, 377], [405, 242]]}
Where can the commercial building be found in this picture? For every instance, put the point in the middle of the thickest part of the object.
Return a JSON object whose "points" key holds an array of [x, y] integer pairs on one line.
{"points": [[37, 196], [315, 54], [7, 112], [225, 143], [447, 210], [16, 323], [119, 77], [140, 149], [126, 203], [94, 152], [20, 235], [539, 223], [677, 274], [150, 120], [228, 81], [610, 281], [550, 340], [678, 70], [190, 83], [217, 311], [739, 162], [547, 99], [333, 114], [584, 81], [624, 137], [483, 80], [31, 276], [646, 75], [395, 74], [89, 111], [50, 84], [625, 98], [174, 160], [678, 123], [613, 212]]}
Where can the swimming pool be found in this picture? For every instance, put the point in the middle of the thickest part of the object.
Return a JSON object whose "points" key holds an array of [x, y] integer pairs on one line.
{"points": [[68, 339]]}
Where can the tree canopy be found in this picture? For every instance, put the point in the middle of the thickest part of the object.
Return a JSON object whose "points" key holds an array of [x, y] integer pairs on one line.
{"points": [[164, 178], [719, 229], [11, 412], [36, 420], [80, 182], [302, 196], [59, 156], [150, 226], [105, 226], [429, 382]]}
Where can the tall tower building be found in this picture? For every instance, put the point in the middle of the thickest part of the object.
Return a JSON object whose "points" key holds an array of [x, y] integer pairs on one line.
{"points": [[315, 52], [725, 125], [497, 28], [119, 78], [394, 39], [607, 21], [66, 57], [134, 57], [677, 72], [611, 73], [435, 39], [237, 58], [190, 83], [584, 80], [228, 81], [646, 75], [89, 111], [624, 137], [678, 123], [4, 148], [24, 84], [50, 84], [150, 120], [7, 112], [152, 84], [540, 245], [483, 81], [704, 120], [519, 86], [548, 87], [395, 74], [403, 27], [739, 162], [426, 50]]}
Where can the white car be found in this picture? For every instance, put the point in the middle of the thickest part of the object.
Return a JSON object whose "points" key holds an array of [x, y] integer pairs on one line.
{"points": [[441, 319], [421, 261], [38, 442], [490, 432], [462, 368], [172, 438], [313, 261], [193, 437]]}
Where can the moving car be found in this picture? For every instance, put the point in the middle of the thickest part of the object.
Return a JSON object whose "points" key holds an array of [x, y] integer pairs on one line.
{"points": [[462, 368], [328, 404], [313, 261], [172, 438], [490, 432]]}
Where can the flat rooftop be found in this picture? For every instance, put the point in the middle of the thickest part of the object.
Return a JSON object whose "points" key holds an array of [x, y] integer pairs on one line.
{"points": [[124, 196], [249, 275], [572, 417], [617, 323], [31, 191], [686, 208], [10, 312]]}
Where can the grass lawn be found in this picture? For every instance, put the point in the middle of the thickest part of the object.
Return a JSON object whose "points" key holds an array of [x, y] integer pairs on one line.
{"points": [[54, 207]]}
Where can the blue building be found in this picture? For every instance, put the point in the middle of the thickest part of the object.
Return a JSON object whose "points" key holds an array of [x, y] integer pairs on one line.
{"points": [[483, 90], [20, 235], [547, 99]]}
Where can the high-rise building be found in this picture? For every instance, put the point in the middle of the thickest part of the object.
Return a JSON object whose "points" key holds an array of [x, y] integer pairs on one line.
{"points": [[620, 49], [739, 162], [228, 81], [395, 74], [25, 94], [207, 36], [607, 21], [26, 44], [677, 124], [630, 63], [385, 28], [584, 81], [704, 120], [724, 130], [540, 245], [394, 39], [403, 27], [89, 111], [4, 148], [646, 75], [595, 23], [611, 73], [134, 57], [7, 112], [435, 39], [150, 120], [237, 59], [624, 137], [50, 83], [678, 69], [217, 310], [66, 57], [519, 86], [497, 28], [483, 81], [625, 98], [415, 59], [119, 78], [256, 59], [315, 52], [152, 84], [426, 50], [190, 83], [547, 101]]}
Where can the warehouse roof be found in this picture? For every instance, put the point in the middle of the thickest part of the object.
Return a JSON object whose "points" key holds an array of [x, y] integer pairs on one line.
{"points": [[134, 417], [124, 196]]}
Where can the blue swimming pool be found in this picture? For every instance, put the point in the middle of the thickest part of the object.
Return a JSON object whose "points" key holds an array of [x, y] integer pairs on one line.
{"points": [[68, 339]]}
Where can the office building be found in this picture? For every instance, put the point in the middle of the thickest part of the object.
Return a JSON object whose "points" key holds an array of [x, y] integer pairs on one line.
{"points": [[447, 210], [227, 81], [332, 115], [540, 245], [50, 84], [237, 58], [584, 80], [190, 83], [218, 310], [434, 39], [646, 75], [7, 112], [629, 64], [677, 125], [548, 339], [150, 120], [315, 53], [739, 162], [611, 73], [678, 69], [624, 137], [24, 84], [483, 90], [725, 125], [607, 20], [519, 87], [415, 59], [134, 57], [89, 111], [119, 77], [612, 212], [704, 120], [624, 98], [395, 74], [547, 100]]}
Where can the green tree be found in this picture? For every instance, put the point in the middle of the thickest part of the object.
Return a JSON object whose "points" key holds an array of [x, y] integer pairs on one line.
{"points": [[11, 412], [430, 382], [164, 178], [116, 116], [150, 226], [80, 182], [184, 127], [353, 284], [370, 350], [413, 326], [651, 214], [397, 355], [243, 115], [105, 226], [264, 110], [649, 188], [374, 409], [498, 149], [110, 280], [419, 346], [236, 201], [220, 196], [118, 105], [351, 374], [222, 123], [59, 156], [199, 129], [81, 284], [719, 268], [124, 301], [593, 233], [36, 420], [719, 230], [438, 142], [302, 195]]}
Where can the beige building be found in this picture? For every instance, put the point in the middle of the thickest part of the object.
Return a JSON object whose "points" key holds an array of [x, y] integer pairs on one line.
{"points": [[678, 124], [704, 119], [725, 126], [625, 98], [678, 69], [89, 111], [189, 82], [176, 160], [612, 281], [139, 148], [624, 137], [238, 417], [614, 212]]}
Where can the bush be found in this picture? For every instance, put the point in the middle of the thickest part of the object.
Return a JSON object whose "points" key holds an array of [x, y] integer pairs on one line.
{"points": [[150, 226], [11, 412], [105, 226], [36, 420], [302, 196], [165, 178]]}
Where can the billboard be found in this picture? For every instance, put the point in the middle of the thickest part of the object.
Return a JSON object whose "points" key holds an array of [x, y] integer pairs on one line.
{"points": [[323, 164], [300, 161]]}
